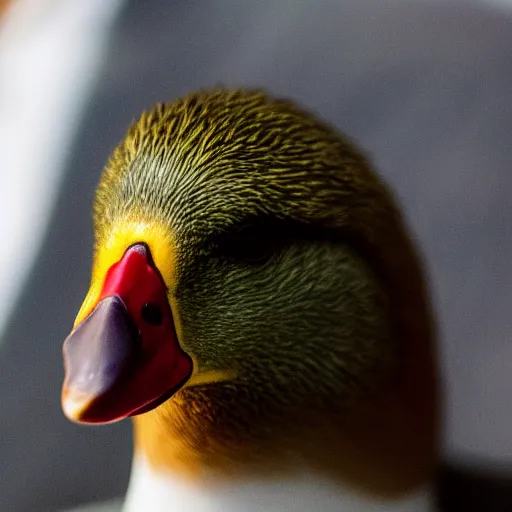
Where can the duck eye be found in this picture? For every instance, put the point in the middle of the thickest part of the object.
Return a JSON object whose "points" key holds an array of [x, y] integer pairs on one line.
{"points": [[250, 244], [152, 314]]}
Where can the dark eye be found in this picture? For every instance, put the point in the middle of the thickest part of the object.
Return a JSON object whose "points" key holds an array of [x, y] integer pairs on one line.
{"points": [[152, 314], [253, 244]]}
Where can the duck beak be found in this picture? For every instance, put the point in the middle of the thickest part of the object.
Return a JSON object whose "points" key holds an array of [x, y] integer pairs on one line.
{"points": [[119, 360]]}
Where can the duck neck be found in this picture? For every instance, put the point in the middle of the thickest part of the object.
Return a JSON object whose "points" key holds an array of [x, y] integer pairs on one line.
{"points": [[186, 438]]}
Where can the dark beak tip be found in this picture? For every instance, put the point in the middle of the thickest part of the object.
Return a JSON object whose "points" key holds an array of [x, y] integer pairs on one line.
{"points": [[96, 354]]}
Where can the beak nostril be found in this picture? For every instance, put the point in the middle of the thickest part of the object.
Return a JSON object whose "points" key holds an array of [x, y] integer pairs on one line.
{"points": [[152, 314]]}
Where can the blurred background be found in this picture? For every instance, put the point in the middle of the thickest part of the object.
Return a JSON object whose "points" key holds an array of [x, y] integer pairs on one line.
{"points": [[424, 86]]}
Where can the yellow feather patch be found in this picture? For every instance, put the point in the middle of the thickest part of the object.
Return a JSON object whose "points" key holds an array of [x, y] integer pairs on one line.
{"points": [[111, 249]]}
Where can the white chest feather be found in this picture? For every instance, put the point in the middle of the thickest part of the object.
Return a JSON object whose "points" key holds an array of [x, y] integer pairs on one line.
{"points": [[161, 492]]}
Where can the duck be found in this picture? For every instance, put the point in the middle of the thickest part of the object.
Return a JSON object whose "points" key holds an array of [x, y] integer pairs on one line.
{"points": [[259, 308]]}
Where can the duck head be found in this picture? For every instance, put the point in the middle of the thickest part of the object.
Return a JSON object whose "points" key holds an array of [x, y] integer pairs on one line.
{"points": [[254, 296]]}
